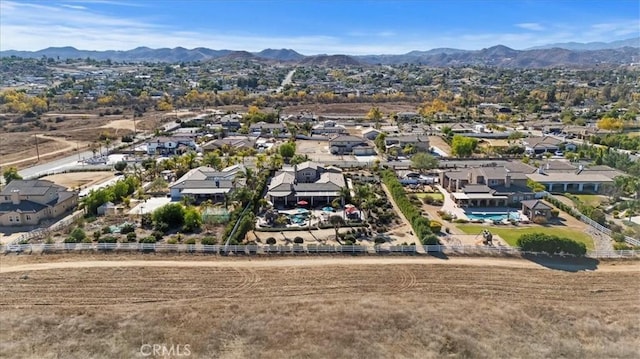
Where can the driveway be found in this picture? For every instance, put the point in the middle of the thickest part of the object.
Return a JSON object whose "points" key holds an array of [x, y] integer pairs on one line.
{"points": [[149, 205]]}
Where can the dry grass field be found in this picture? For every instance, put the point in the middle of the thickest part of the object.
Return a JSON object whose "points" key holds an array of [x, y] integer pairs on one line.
{"points": [[61, 306]]}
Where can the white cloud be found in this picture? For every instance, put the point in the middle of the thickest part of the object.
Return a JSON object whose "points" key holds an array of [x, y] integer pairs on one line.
{"points": [[34, 26], [533, 26], [75, 7]]}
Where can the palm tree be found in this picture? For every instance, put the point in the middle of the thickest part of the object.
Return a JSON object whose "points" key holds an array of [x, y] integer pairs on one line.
{"points": [[336, 221], [260, 161], [249, 176], [345, 195]]}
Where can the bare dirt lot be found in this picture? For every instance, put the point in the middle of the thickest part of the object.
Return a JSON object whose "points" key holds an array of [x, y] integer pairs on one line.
{"points": [[104, 306], [79, 179]]}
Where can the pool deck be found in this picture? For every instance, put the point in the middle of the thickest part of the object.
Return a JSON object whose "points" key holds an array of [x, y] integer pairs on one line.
{"points": [[452, 208]]}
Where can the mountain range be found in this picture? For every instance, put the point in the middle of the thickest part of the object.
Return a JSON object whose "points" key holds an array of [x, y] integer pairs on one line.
{"points": [[566, 54]]}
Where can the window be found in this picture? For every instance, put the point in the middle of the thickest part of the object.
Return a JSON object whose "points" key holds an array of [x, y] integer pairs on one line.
{"points": [[28, 217], [10, 219], [17, 218]]}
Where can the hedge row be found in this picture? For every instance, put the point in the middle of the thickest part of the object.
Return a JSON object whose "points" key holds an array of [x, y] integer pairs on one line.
{"points": [[540, 242], [420, 224]]}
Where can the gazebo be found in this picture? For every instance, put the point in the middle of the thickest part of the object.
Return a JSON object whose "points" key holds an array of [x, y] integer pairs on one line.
{"points": [[536, 208]]}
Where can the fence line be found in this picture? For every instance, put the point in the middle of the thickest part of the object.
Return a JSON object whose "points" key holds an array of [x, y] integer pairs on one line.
{"points": [[597, 226], [293, 249]]}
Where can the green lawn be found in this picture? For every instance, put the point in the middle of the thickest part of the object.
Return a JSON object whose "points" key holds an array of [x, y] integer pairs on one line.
{"points": [[434, 195], [593, 200], [511, 234]]}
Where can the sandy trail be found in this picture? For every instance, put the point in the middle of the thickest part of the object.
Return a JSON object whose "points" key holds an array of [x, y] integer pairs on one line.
{"points": [[302, 262]]}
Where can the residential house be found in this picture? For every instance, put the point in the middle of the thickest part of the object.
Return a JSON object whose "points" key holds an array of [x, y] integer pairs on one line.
{"points": [[308, 181], [561, 176], [166, 146], [231, 122], [407, 116], [546, 144], [419, 142], [345, 144], [328, 127], [205, 183], [267, 129], [370, 133], [236, 142], [27, 202], [489, 186]]}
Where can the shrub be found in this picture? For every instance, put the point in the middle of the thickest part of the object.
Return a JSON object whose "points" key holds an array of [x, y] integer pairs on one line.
{"points": [[435, 226], [172, 241], [271, 241], [298, 240], [379, 240], [540, 242], [446, 216], [555, 213], [618, 237], [128, 228], [161, 227], [108, 239], [131, 236], [539, 220], [158, 235], [208, 240], [150, 239], [621, 246], [430, 239], [190, 241], [460, 220], [106, 230], [78, 235], [172, 214]]}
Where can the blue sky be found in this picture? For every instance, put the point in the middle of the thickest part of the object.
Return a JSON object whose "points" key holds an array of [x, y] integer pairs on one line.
{"points": [[312, 27]]}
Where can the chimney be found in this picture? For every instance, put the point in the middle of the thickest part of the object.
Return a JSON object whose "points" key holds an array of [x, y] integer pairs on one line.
{"points": [[547, 165], [507, 181], [15, 196], [469, 177]]}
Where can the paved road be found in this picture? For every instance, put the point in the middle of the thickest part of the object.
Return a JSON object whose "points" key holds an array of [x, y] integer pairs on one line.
{"points": [[65, 162], [286, 81]]}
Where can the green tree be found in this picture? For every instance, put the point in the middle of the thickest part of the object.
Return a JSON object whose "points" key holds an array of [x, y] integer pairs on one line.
{"points": [[380, 142], [172, 214], [120, 166], [424, 161], [192, 220], [287, 150], [336, 221], [11, 174], [462, 146], [535, 186]]}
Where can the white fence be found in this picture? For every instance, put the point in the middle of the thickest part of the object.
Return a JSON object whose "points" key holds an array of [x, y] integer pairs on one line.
{"points": [[291, 250]]}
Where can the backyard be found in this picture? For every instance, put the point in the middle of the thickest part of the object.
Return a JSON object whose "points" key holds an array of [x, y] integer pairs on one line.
{"points": [[511, 234]]}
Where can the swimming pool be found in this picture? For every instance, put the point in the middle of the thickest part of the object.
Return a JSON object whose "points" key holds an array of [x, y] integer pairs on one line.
{"points": [[492, 216]]}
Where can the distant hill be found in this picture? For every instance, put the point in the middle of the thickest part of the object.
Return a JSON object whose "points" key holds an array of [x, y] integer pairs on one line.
{"points": [[580, 46], [499, 55], [330, 61], [280, 54]]}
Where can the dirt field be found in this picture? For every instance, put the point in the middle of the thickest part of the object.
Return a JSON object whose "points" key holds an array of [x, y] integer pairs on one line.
{"points": [[79, 179], [315, 308]]}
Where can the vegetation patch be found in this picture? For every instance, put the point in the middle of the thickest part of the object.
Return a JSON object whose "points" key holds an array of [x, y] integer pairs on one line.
{"points": [[511, 235]]}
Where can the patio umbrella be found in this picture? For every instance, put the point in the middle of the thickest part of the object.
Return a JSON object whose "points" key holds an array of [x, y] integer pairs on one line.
{"points": [[349, 206], [303, 203]]}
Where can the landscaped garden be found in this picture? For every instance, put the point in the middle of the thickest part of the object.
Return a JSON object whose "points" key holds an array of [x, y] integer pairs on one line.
{"points": [[511, 234]]}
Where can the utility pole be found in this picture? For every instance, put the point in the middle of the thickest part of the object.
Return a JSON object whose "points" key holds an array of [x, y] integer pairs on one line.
{"points": [[37, 149]]}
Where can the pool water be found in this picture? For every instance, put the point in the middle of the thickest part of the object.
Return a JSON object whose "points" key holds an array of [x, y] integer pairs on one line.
{"points": [[492, 216]]}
